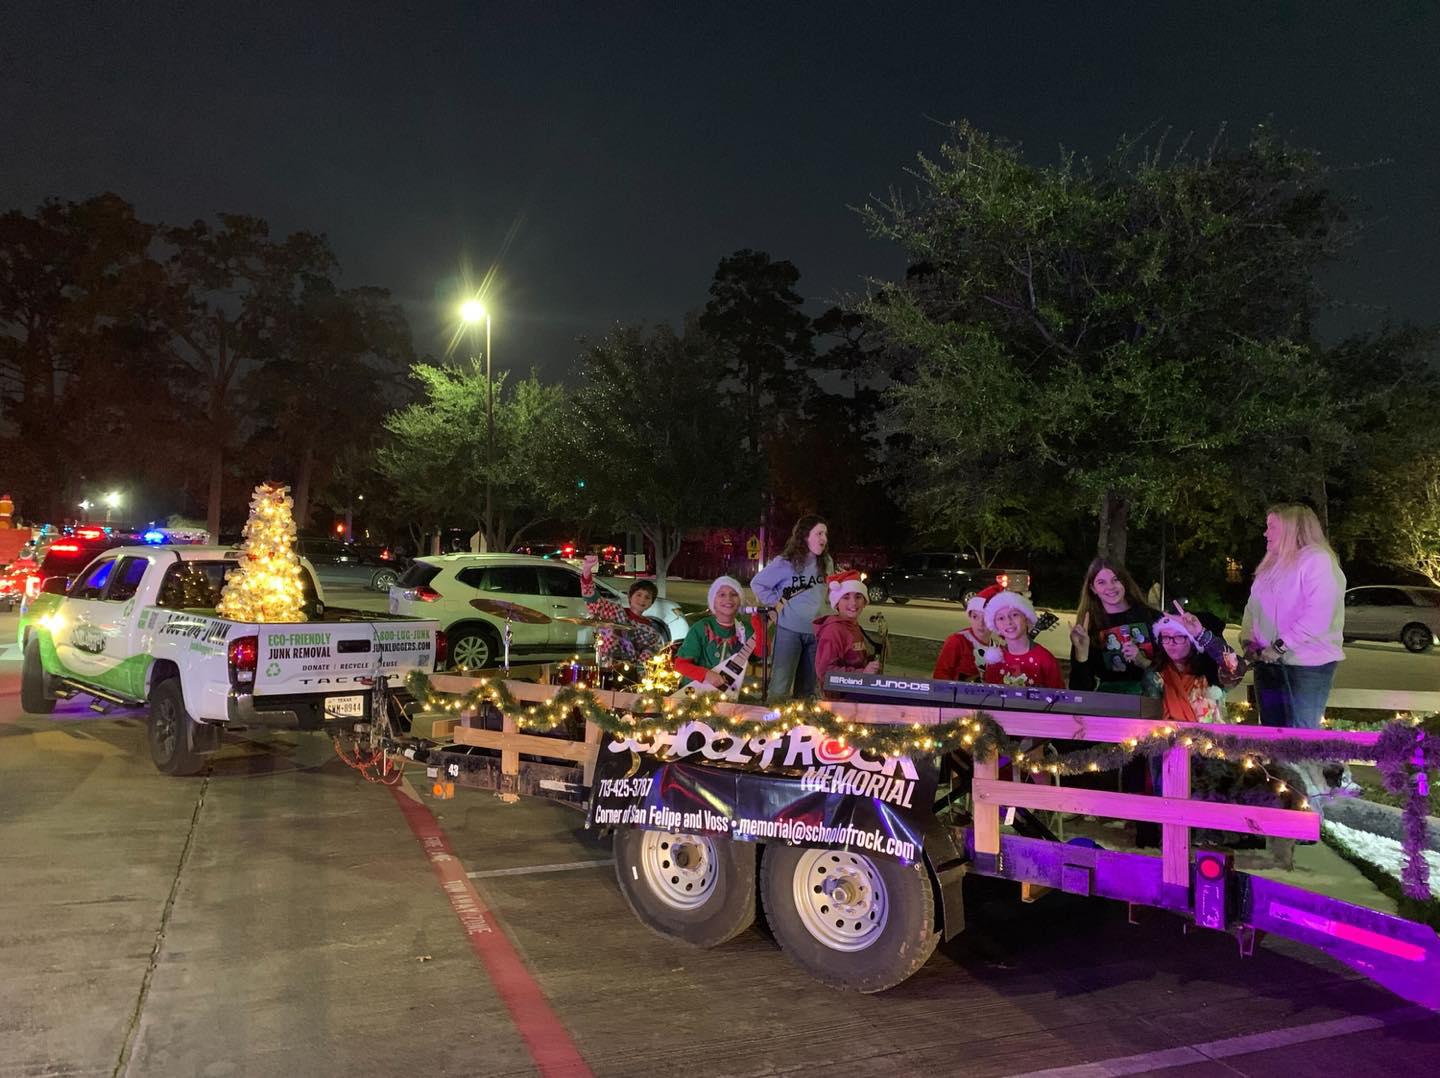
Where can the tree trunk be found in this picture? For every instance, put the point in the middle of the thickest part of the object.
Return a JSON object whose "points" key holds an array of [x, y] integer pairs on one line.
{"points": [[217, 482], [667, 545], [1114, 520], [302, 488]]}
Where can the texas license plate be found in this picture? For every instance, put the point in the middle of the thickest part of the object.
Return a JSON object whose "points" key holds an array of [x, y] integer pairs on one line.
{"points": [[346, 707]]}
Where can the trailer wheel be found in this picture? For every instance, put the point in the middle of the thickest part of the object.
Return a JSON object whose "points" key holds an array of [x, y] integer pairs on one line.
{"points": [[34, 697], [692, 888], [168, 731], [850, 921]]}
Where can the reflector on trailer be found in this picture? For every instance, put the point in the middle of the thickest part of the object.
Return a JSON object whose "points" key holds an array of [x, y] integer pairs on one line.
{"points": [[1212, 888]]}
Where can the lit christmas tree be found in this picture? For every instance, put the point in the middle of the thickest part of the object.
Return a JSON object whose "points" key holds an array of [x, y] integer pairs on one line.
{"points": [[267, 584]]}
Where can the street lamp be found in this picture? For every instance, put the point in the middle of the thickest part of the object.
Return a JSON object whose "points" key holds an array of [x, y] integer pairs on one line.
{"points": [[472, 313], [112, 500]]}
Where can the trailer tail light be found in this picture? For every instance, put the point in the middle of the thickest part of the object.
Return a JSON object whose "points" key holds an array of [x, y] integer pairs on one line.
{"points": [[424, 593], [1212, 888], [244, 655], [442, 649]]}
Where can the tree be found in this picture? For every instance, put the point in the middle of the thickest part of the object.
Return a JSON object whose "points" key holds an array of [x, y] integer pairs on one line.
{"points": [[438, 456], [79, 346], [1122, 332], [662, 449], [333, 367], [235, 288], [755, 321]]}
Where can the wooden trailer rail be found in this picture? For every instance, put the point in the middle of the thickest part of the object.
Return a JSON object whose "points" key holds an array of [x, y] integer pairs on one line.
{"points": [[1176, 814]]}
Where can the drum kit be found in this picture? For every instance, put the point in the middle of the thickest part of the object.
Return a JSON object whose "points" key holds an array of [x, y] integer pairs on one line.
{"points": [[570, 673]]}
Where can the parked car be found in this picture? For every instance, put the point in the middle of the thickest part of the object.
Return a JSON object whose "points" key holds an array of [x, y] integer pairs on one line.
{"points": [[441, 587], [342, 565], [1409, 615], [948, 576]]}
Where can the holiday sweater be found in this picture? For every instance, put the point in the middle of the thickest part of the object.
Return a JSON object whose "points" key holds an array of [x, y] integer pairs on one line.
{"points": [[1303, 606], [839, 645], [1106, 669], [1036, 668], [802, 587], [708, 643], [635, 644], [962, 657]]}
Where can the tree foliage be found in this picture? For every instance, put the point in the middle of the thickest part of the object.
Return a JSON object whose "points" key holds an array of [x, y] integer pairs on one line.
{"points": [[1123, 333], [663, 450]]}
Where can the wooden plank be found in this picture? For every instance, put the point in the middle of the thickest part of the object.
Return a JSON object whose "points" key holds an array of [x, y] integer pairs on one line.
{"points": [[1279, 823], [593, 737], [513, 744], [443, 729], [987, 815], [1175, 838]]}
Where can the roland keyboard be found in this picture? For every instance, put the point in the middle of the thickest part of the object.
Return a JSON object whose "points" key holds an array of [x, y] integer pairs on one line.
{"points": [[926, 692]]}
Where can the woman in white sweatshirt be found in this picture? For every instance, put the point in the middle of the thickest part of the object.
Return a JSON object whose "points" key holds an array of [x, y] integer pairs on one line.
{"points": [[1295, 618]]}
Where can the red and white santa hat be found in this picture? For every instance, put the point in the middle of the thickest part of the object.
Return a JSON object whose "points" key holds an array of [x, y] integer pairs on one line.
{"points": [[980, 598], [841, 584], [1008, 600]]}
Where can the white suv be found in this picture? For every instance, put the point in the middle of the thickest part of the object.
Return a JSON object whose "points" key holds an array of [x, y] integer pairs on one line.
{"points": [[440, 587]]}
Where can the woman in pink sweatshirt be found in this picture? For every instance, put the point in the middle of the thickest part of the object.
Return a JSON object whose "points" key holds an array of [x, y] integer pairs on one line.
{"points": [[1293, 623]]}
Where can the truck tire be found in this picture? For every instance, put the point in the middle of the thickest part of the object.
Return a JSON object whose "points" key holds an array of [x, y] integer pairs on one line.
{"points": [[168, 730], [850, 921], [876, 593], [693, 888], [35, 698]]}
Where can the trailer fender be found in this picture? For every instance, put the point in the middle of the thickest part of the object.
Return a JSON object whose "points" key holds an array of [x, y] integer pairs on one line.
{"points": [[946, 862]]}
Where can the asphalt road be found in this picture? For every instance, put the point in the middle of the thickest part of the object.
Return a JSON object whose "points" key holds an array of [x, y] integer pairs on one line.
{"points": [[279, 916]]}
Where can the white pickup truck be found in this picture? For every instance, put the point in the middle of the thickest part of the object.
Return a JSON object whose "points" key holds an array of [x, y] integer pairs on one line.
{"points": [[137, 626]]}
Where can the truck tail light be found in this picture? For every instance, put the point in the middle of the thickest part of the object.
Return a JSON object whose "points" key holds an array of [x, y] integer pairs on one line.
{"points": [[442, 649], [244, 655], [425, 593], [1003, 580]]}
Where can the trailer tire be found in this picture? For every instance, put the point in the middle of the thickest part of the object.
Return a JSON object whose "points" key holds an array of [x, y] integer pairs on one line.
{"points": [[35, 698], [168, 730], [704, 902], [886, 930]]}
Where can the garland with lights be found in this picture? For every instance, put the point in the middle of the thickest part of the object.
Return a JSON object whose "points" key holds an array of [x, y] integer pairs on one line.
{"points": [[1405, 752], [266, 585]]}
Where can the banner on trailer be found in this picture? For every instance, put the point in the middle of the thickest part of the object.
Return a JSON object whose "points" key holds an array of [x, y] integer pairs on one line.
{"points": [[795, 786]]}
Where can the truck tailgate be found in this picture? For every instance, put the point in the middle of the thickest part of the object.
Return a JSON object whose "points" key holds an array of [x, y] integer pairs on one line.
{"points": [[322, 657]]}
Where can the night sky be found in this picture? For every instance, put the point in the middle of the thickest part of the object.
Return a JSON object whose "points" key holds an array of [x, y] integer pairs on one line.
{"points": [[624, 148]]}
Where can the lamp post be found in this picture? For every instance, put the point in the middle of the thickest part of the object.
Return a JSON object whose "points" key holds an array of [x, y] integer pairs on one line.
{"points": [[112, 499], [473, 312]]}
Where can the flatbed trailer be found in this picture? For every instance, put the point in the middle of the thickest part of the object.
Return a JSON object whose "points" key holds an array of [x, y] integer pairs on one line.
{"points": [[858, 874]]}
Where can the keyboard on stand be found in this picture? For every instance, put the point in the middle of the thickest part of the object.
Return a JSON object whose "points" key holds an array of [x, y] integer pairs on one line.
{"points": [[928, 692]]}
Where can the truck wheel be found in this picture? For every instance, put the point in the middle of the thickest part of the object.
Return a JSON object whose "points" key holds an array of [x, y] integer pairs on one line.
{"points": [[877, 593], [472, 649], [168, 731], [34, 698], [688, 887], [848, 920]]}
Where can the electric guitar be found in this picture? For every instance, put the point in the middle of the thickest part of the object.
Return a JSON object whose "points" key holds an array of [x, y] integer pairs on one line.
{"points": [[1045, 621], [731, 668]]}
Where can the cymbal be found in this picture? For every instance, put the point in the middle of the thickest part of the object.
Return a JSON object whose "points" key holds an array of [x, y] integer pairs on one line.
{"points": [[514, 611], [596, 623]]}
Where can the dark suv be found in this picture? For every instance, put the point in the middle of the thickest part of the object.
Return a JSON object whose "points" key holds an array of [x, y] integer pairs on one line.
{"points": [[948, 576], [66, 556]]}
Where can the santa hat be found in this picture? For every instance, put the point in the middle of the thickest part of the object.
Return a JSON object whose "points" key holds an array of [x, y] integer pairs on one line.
{"points": [[980, 598], [722, 582], [1171, 624], [843, 584], [1008, 600]]}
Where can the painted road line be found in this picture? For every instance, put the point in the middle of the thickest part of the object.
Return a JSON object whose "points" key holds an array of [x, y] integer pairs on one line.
{"points": [[563, 866], [546, 1038], [1229, 1047]]}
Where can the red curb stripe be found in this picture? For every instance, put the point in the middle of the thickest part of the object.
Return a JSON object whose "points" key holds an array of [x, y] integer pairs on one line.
{"points": [[545, 1036]]}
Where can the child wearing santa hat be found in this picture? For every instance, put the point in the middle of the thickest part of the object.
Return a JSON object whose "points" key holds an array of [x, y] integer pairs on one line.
{"points": [[839, 643], [962, 656], [718, 635], [1018, 661]]}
